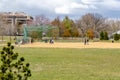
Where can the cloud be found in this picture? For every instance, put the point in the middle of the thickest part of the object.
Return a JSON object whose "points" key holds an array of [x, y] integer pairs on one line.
{"points": [[8, 6], [75, 5], [62, 10], [90, 1], [66, 9], [111, 4], [104, 4], [55, 6], [39, 4], [61, 7], [44, 4]]}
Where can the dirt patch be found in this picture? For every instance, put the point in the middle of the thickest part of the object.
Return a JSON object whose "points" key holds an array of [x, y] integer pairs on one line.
{"points": [[73, 45]]}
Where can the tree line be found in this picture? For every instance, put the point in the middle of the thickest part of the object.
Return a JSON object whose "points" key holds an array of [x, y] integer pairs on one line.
{"points": [[89, 25]]}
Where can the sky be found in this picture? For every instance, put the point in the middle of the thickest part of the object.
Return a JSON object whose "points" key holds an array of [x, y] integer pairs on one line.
{"points": [[71, 8]]}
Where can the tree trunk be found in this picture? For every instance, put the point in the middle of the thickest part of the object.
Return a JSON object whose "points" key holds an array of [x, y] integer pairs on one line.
{"points": [[2, 38]]}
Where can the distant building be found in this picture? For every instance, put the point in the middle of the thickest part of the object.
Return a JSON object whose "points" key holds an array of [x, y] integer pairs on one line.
{"points": [[17, 20], [17, 17]]}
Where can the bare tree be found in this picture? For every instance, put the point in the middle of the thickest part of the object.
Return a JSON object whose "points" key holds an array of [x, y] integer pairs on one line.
{"points": [[5, 27], [41, 20], [81, 28], [2, 28], [91, 21], [114, 25], [99, 24], [85, 23]]}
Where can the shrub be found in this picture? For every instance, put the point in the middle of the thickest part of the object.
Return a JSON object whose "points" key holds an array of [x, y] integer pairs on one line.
{"points": [[11, 67], [101, 35], [116, 37], [106, 36]]}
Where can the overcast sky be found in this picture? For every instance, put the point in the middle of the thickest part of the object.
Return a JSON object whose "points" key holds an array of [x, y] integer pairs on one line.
{"points": [[72, 8]]}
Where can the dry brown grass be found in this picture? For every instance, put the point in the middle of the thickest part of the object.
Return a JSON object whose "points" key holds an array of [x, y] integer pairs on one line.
{"points": [[73, 45]]}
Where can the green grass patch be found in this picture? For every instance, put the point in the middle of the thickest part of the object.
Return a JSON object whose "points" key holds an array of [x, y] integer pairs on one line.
{"points": [[11, 39], [72, 64], [7, 39]]}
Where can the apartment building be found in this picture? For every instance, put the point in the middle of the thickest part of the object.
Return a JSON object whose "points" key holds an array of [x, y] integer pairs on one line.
{"points": [[17, 17]]}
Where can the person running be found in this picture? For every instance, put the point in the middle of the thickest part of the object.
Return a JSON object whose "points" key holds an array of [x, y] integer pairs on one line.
{"points": [[87, 41]]}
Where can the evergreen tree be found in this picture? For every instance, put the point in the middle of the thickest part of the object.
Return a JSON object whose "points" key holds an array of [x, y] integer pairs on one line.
{"points": [[67, 24], [101, 35], [106, 36], [11, 67], [116, 37]]}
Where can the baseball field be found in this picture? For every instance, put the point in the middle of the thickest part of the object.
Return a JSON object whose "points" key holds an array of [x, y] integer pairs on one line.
{"points": [[73, 45]]}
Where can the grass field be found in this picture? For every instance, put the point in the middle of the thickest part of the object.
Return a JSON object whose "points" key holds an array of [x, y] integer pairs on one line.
{"points": [[72, 64]]}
